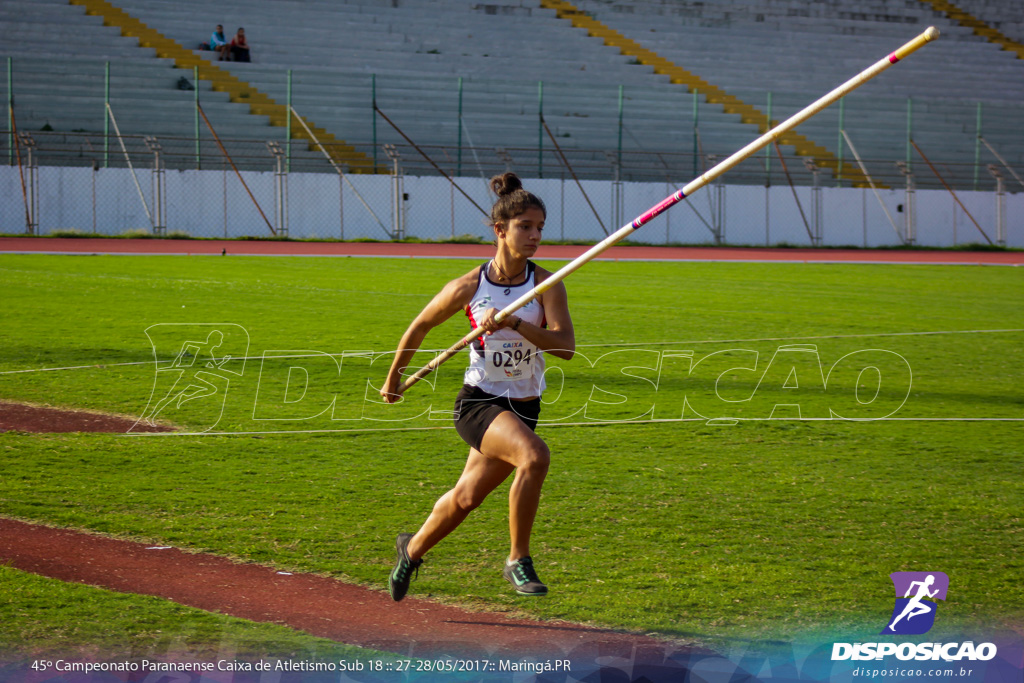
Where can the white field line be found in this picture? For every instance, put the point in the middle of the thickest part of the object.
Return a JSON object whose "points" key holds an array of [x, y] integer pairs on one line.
{"points": [[723, 422], [596, 345]]}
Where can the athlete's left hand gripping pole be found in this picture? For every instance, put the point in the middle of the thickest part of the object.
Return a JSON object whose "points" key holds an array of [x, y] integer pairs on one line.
{"points": [[792, 122]]}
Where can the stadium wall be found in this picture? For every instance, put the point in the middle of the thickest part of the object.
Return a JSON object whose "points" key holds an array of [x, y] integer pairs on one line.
{"points": [[213, 203]]}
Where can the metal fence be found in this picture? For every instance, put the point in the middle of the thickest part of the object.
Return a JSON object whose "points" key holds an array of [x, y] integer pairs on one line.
{"points": [[112, 185]]}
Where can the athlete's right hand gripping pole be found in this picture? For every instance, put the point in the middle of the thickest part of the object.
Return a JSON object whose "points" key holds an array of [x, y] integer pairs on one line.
{"points": [[792, 122]]}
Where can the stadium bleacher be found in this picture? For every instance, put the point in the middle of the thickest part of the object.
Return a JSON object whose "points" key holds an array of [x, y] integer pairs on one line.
{"points": [[1006, 16], [412, 55], [59, 56]]}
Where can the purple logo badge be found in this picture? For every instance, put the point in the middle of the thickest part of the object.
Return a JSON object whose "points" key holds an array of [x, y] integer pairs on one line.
{"points": [[914, 612]]}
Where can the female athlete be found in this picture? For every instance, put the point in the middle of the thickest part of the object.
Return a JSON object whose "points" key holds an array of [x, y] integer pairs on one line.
{"points": [[497, 409]]}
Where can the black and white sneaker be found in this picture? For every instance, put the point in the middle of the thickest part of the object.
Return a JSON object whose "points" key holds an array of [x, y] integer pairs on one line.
{"points": [[523, 577], [401, 575]]}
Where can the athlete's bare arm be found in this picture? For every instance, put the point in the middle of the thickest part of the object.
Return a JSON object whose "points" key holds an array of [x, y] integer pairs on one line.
{"points": [[454, 297]]}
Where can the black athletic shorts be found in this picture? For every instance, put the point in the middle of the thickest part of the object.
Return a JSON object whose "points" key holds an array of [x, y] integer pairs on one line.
{"points": [[475, 410]]}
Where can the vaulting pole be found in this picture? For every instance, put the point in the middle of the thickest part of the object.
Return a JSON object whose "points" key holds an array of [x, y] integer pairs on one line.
{"points": [[704, 179]]}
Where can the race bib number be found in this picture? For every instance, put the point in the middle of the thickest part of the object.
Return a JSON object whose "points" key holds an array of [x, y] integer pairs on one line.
{"points": [[510, 360]]}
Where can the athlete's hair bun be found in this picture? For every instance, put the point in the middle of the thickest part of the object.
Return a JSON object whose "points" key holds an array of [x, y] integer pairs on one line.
{"points": [[512, 199], [506, 184]]}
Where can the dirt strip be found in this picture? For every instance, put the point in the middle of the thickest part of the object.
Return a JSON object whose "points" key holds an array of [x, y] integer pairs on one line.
{"points": [[318, 605], [65, 245], [21, 417]]}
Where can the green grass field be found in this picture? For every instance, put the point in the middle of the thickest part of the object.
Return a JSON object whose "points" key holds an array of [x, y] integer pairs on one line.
{"points": [[41, 617], [713, 532]]}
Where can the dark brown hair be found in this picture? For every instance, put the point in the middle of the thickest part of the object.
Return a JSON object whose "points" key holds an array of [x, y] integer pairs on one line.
{"points": [[512, 199]]}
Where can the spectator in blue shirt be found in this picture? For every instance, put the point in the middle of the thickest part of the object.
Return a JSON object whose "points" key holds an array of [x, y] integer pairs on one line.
{"points": [[218, 43]]}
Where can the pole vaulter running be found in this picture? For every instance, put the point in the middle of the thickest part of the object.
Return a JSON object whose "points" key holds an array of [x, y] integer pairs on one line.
{"points": [[705, 178]]}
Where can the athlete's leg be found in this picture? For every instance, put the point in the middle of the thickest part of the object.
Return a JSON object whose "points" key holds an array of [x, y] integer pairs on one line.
{"points": [[480, 476], [511, 441]]}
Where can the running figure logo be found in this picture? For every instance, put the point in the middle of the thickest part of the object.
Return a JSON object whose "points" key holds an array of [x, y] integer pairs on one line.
{"points": [[915, 614], [204, 358]]}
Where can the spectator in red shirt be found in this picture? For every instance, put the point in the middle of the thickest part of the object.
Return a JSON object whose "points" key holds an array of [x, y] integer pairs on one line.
{"points": [[240, 47]]}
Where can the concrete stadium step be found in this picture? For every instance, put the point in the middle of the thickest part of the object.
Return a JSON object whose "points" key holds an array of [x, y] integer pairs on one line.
{"points": [[259, 104], [731, 105], [417, 51], [979, 27]]}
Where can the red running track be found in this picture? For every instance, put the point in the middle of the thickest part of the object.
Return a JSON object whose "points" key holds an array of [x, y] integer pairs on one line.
{"points": [[59, 245], [317, 604]]}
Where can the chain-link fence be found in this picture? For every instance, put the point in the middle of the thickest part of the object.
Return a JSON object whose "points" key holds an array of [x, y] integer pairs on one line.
{"points": [[188, 158], [113, 185]]}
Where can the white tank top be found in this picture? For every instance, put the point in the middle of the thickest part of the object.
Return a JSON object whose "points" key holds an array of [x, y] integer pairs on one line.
{"points": [[505, 363]]}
